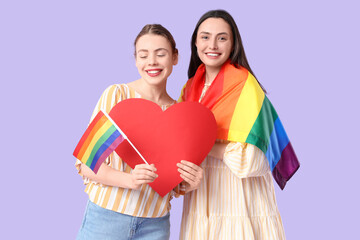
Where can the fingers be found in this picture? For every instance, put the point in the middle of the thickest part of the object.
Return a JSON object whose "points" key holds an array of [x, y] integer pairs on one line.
{"points": [[191, 179], [144, 172], [190, 168], [188, 179], [146, 166], [190, 164], [190, 172]]}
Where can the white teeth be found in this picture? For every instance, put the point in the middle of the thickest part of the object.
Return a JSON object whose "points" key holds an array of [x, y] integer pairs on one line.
{"points": [[213, 54], [153, 72]]}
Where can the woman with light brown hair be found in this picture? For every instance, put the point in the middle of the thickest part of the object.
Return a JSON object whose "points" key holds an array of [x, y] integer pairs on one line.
{"points": [[121, 204]]}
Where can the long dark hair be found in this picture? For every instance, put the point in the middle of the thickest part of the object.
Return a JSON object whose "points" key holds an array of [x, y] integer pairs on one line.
{"points": [[157, 29], [237, 56]]}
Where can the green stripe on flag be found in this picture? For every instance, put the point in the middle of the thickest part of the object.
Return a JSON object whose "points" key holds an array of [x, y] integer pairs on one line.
{"points": [[263, 126], [100, 142]]}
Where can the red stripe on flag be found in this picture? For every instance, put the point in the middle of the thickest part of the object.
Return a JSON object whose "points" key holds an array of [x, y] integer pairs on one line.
{"points": [[87, 132], [91, 136]]}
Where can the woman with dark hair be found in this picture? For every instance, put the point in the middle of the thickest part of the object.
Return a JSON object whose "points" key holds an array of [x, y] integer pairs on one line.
{"points": [[236, 199], [121, 204]]}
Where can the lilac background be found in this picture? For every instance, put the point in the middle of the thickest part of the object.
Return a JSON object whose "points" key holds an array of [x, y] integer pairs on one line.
{"points": [[56, 58]]}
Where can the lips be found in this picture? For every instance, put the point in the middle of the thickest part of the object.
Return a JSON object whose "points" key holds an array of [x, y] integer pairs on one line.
{"points": [[212, 55], [153, 72]]}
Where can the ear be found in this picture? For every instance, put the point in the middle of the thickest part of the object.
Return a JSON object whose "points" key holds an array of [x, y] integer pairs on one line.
{"points": [[175, 59]]}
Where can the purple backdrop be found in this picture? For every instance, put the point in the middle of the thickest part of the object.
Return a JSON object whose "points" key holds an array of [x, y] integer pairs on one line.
{"points": [[56, 58]]}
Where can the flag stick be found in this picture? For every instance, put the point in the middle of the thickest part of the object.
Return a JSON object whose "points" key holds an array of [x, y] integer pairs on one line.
{"points": [[123, 134]]}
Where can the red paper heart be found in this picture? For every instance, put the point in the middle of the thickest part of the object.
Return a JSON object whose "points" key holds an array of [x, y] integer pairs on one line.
{"points": [[185, 131]]}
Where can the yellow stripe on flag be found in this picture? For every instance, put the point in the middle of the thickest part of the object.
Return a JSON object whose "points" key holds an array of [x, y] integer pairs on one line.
{"points": [[96, 138], [101, 121], [246, 111]]}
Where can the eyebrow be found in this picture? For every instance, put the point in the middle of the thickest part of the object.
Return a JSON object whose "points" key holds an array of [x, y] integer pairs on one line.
{"points": [[156, 50], [216, 34]]}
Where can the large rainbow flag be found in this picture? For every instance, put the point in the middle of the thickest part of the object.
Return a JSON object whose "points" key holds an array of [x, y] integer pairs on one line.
{"points": [[244, 114], [99, 140]]}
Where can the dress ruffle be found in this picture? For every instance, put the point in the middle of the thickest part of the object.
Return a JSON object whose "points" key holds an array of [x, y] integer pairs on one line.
{"points": [[236, 202], [233, 228]]}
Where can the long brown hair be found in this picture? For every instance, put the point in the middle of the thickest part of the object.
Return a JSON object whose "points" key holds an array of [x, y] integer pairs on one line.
{"points": [[157, 29], [237, 56]]}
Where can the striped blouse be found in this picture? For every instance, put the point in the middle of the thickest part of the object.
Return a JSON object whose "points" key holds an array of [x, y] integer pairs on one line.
{"points": [[139, 203], [236, 199]]}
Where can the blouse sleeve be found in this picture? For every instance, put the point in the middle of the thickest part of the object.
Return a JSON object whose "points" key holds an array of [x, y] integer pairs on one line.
{"points": [[110, 97], [245, 160]]}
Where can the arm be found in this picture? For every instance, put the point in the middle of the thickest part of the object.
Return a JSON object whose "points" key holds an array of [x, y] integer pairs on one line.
{"points": [[192, 175], [218, 150], [245, 160], [109, 98], [106, 175]]}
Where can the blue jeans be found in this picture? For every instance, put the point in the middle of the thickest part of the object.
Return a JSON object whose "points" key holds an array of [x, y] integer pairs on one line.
{"points": [[103, 224]]}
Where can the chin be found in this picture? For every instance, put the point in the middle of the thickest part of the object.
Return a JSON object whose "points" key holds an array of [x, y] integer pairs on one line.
{"points": [[155, 82], [214, 65]]}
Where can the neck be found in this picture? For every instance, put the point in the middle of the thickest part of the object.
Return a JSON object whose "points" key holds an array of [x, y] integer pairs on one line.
{"points": [[154, 93], [210, 74]]}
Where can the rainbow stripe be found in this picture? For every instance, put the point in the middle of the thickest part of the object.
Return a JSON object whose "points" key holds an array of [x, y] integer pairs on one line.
{"points": [[255, 121], [244, 114], [99, 140]]}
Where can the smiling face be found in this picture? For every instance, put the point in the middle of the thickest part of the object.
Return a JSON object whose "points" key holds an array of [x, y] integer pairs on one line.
{"points": [[214, 43], [154, 58]]}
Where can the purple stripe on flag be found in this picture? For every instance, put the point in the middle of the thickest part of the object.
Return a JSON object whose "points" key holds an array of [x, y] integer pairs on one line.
{"points": [[286, 167], [107, 152]]}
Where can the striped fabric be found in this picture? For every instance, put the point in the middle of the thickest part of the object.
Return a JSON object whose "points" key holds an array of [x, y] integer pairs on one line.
{"points": [[236, 199], [140, 203]]}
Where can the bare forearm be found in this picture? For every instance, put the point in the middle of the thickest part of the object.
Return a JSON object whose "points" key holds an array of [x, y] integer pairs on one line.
{"points": [[218, 150], [108, 176]]}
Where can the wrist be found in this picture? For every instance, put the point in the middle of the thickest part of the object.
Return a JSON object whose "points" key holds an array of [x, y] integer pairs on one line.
{"points": [[129, 182]]}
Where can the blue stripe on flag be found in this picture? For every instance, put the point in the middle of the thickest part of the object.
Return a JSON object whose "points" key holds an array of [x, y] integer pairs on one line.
{"points": [[103, 147], [278, 141]]}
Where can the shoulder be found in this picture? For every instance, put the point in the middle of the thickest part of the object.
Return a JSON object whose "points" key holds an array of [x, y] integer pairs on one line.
{"points": [[118, 92], [111, 96], [240, 75], [113, 89]]}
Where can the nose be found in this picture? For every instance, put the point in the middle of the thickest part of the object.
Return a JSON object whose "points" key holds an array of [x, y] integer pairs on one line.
{"points": [[213, 44], [152, 60]]}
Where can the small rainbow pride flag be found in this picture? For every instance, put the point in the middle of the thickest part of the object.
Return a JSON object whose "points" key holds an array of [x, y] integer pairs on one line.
{"points": [[99, 140]]}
